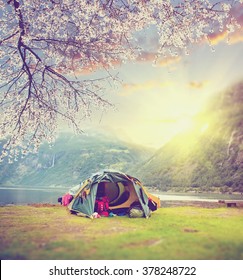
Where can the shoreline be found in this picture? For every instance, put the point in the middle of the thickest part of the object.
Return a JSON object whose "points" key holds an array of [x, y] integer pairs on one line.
{"points": [[164, 204], [201, 204]]}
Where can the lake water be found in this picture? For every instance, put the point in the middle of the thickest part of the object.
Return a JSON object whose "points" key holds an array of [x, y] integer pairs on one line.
{"points": [[11, 195], [213, 197]]}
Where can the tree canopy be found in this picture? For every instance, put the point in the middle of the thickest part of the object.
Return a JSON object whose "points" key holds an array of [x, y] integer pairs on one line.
{"points": [[45, 45]]}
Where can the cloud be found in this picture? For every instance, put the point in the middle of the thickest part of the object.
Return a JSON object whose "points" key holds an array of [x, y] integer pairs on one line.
{"points": [[166, 120], [169, 60], [216, 38], [234, 37], [158, 61], [132, 88], [146, 56], [197, 85]]}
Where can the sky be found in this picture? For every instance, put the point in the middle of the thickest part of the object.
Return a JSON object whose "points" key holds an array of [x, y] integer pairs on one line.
{"points": [[155, 102]]}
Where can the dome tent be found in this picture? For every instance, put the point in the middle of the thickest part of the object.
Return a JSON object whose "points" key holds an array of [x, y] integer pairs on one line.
{"points": [[121, 189]]}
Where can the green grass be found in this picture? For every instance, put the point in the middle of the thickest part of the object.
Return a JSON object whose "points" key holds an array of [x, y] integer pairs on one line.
{"points": [[29, 232]]}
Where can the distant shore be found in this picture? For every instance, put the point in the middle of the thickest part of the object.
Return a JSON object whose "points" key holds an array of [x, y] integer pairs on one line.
{"points": [[203, 204]]}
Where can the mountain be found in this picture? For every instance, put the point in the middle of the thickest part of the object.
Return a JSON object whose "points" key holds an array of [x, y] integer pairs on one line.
{"points": [[208, 156], [71, 159]]}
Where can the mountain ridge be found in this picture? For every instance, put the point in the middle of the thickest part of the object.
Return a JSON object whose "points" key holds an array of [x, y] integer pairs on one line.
{"points": [[209, 156], [72, 159], [206, 157]]}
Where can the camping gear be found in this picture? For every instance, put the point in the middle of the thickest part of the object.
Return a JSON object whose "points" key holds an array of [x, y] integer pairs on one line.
{"points": [[66, 199], [102, 206], [114, 189], [152, 205], [136, 212], [95, 215]]}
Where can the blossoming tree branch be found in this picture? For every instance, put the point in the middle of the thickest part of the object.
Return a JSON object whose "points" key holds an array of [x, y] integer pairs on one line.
{"points": [[46, 44]]}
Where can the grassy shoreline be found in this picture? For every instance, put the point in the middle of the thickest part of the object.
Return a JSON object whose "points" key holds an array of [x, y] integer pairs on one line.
{"points": [[45, 231]]}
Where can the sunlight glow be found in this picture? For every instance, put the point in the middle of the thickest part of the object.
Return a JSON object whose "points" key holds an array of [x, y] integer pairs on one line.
{"points": [[184, 124], [204, 128], [156, 103]]}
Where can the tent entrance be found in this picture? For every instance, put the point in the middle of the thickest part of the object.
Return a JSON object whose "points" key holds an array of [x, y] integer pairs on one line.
{"points": [[117, 193], [120, 194]]}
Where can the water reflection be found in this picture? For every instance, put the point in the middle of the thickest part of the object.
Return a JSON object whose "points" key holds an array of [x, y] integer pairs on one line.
{"points": [[26, 196], [11, 195], [213, 197]]}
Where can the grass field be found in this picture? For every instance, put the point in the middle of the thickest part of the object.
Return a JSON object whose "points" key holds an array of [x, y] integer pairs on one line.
{"points": [[50, 232]]}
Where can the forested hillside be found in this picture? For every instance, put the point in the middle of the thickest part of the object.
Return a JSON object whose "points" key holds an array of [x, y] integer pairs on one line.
{"points": [[208, 156], [72, 159]]}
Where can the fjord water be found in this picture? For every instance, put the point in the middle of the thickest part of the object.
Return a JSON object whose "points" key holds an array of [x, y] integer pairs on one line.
{"points": [[27, 195], [24, 195]]}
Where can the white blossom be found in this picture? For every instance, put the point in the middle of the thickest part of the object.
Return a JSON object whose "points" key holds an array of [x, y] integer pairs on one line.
{"points": [[46, 45]]}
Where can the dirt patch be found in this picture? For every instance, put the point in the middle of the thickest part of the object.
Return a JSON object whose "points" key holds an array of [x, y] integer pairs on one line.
{"points": [[145, 243], [190, 230], [201, 204], [115, 228], [41, 205]]}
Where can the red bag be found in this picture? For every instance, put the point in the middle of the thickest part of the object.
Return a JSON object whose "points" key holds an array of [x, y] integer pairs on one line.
{"points": [[66, 199], [104, 214], [106, 203], [102, 206]]}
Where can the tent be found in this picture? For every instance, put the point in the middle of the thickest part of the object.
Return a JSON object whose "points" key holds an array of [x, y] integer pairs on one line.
{"points": [[121, 190]]}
